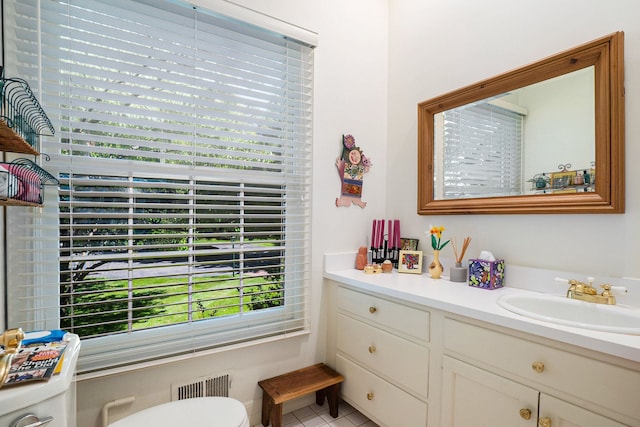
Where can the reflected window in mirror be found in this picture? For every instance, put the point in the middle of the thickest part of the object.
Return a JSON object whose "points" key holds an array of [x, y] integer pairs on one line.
{"points": [[478, 151]]}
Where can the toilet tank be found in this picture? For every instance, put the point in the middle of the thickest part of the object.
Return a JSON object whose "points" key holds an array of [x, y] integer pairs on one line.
{"points": [[53, 398]]}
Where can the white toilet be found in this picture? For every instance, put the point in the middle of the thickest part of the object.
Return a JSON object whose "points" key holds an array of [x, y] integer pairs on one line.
{"points": [[198, 411]]}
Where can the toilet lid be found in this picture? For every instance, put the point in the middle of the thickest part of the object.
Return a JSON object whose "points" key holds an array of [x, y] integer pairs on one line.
{"points": [[199, 411]]}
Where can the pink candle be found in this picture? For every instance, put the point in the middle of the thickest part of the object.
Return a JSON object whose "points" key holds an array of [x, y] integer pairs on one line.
{"points": [[392, 236], [373, 233]]}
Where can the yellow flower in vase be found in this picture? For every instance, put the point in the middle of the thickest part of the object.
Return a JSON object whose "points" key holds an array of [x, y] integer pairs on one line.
{"points": [[436, 236]]}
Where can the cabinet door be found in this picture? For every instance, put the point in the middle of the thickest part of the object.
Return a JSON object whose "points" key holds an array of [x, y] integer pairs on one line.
{"points": [[473, 397], [559, 413]]}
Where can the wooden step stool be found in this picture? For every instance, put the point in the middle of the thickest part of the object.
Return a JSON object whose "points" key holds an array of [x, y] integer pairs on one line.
{"points": [[277, 390]]}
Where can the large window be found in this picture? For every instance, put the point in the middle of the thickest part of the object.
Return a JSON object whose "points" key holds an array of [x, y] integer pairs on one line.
{"points": [[183, 149]]}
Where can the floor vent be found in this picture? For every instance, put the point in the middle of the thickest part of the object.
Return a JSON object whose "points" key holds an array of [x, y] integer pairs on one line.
{"points": [[202, 387]]}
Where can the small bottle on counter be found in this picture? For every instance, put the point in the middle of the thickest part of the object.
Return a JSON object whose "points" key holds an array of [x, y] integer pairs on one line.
{"points": [[578, 179], [361, 258]]}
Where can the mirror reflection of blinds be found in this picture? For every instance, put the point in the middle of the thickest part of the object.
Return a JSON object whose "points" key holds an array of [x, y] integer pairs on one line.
{"points": [[482, 152]]}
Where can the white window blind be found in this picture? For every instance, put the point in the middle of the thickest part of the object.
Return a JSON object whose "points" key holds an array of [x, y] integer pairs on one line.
{"points": [[183, 148], [481, 150]]}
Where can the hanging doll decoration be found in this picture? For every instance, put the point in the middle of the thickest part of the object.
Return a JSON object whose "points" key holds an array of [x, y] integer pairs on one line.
{"points": [[352, 165]]}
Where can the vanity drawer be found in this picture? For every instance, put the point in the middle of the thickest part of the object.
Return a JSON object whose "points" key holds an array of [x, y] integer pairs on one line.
{"points": [[379, 399], [403, 362], [611, 386], [404, 319]]}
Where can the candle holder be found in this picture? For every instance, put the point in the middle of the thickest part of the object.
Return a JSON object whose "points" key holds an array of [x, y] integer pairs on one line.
{"points": [[385, 246], [384, 252]]}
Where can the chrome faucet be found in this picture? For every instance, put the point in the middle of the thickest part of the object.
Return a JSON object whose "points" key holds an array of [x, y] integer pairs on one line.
{"points": [[11, 340], [586, 292]]}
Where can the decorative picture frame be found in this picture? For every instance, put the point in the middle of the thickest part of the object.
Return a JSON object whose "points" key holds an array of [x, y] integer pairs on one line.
{"points": [[408, 244], [410, 262]]}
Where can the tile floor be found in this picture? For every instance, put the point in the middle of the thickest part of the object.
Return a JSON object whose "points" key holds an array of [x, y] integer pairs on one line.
{"points": [[318, 416]]}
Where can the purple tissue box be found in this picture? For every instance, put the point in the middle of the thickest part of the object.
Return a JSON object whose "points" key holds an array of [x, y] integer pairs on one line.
{"points": [[486, 274]]}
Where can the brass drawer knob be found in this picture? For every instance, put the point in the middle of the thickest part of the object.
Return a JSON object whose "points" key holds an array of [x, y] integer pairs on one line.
{"points": [[372, 309], [538, 367], [525, 414], [544, 422], [369, 396], [372, 349]]}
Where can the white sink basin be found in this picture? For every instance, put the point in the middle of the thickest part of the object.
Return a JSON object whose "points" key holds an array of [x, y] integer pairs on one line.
{"points": [[569, 312]]}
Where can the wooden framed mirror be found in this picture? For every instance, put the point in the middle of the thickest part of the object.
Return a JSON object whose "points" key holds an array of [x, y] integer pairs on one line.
{"points": [[598, 158]]}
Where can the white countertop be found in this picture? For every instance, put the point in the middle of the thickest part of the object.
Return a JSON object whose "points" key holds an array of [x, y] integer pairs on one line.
{"points": [[480, 304]]}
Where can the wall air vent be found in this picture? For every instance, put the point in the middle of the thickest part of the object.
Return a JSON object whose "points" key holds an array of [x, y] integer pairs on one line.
{"points": [[202, 387]]}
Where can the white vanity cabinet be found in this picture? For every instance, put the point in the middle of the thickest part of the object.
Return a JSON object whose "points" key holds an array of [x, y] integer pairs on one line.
{"points": [[422, 352], [496, 379], [382, 349]]}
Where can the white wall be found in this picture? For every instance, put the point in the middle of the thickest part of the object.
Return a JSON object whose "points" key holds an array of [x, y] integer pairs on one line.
{"points": [[350, 97], [439, 46]]}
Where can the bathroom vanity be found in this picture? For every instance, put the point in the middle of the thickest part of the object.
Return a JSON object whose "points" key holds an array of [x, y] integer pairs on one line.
{"points": [[421, 352]]}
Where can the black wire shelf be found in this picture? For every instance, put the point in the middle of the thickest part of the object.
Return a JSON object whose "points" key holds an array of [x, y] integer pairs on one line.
{"points": [[22, 119]]}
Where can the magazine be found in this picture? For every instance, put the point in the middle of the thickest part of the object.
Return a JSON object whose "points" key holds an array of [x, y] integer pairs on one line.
{"points": [[36, 362]]}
